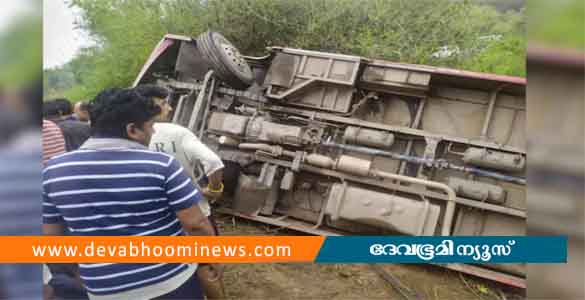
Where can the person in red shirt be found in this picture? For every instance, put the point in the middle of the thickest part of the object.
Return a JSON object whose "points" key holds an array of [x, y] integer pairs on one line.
{"points": [[53, 141]]}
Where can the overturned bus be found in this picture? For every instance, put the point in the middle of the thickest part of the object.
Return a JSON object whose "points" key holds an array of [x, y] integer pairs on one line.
{"points": [[332, 144]]}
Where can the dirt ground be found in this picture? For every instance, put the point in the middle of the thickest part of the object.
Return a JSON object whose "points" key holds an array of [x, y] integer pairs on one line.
{"points": [[345, 281]]}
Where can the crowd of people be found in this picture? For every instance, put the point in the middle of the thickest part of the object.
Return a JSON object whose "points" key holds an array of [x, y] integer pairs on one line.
{"points": [[115, 166]]}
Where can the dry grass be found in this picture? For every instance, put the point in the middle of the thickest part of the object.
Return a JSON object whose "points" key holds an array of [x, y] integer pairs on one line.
{"points": [[342, 281]]}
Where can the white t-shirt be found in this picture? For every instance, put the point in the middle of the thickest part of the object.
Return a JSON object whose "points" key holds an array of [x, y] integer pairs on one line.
{"points": [[182, 144]]}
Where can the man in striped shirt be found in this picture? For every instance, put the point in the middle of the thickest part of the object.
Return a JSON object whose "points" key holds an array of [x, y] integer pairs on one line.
{"points": [[114, 185]]}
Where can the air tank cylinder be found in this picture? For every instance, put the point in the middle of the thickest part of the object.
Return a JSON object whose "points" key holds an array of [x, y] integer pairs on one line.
{"points": [[477, 190], [368, 137], [494, 159]]}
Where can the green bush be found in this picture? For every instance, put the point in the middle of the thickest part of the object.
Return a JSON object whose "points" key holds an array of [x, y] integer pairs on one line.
{"points": [[398, 30]]}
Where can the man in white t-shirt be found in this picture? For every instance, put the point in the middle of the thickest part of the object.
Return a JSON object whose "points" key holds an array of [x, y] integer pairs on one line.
{"points": [[181, 143]]}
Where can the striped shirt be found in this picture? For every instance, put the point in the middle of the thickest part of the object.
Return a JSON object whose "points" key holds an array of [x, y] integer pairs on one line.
{"points": [[53, 141], [115, 192]]}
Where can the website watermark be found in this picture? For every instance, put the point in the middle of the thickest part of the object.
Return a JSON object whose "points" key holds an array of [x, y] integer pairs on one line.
{"points": [[142, 249]]}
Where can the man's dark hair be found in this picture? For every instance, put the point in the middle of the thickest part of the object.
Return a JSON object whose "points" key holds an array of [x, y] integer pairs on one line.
{"points": [[113, 109], [65, 107], [57, 108], [50, 109], [151, 90]]}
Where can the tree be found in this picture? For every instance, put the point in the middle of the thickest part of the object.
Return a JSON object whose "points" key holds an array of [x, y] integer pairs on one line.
{"points": [[397, 30]]}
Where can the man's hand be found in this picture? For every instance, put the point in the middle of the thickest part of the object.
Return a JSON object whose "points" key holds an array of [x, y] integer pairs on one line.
{"points": [[219, 268], [212, 195], [215, 272], [210, 277], [214, 190]]}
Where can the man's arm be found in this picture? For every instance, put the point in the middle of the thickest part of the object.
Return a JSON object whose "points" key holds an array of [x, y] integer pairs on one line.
{"points": [[212, 164], [194, 222], [183, 197], [53, 223]]}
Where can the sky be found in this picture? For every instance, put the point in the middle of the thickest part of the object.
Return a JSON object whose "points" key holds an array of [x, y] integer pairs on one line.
{"points": [[61, 40], [11, 10]]}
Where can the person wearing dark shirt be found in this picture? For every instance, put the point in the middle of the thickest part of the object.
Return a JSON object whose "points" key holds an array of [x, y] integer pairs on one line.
{"points": [[75, 132]]}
